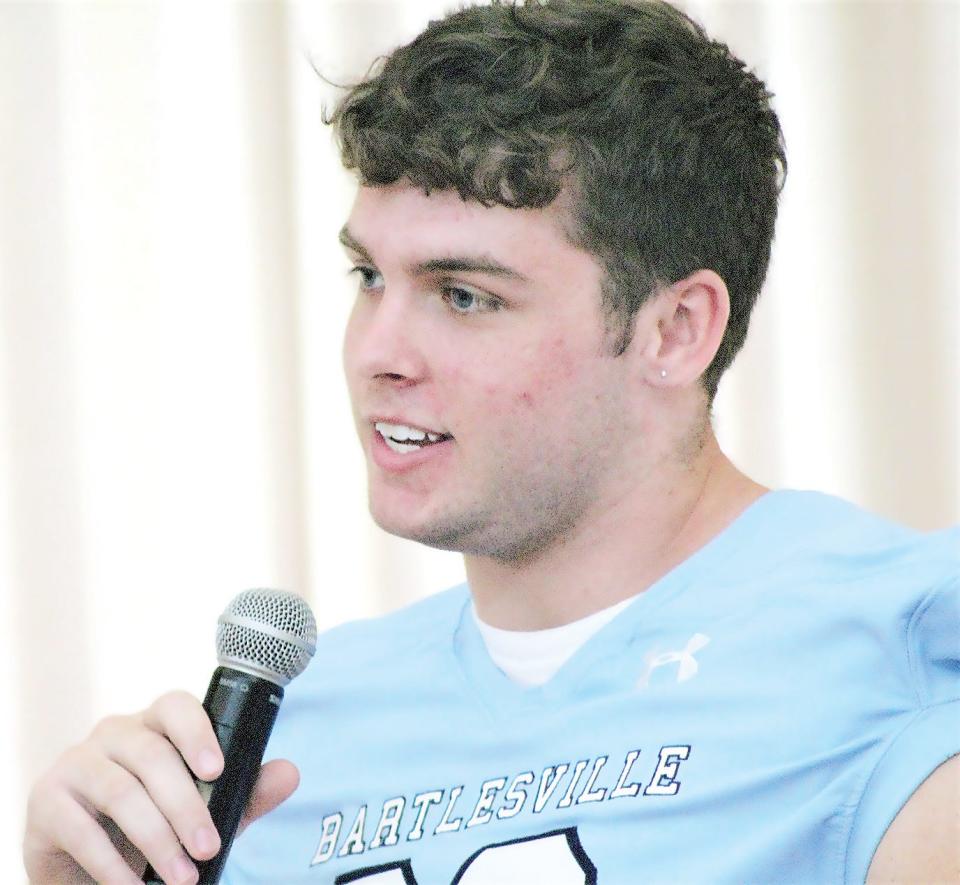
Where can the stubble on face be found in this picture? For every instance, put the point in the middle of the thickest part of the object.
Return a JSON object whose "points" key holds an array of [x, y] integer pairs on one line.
{"points": [[534, 489], [535, 401]]}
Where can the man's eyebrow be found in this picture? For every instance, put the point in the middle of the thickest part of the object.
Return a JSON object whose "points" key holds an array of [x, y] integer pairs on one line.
{"points": [[451, 264], [470, 264], [351, 242]]}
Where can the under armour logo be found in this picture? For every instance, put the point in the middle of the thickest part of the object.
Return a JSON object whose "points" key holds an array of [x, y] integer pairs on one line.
{"points": [[688, 665]]}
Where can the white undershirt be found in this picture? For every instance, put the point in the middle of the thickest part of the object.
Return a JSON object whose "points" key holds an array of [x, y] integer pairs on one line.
{"points": [[532, 657]]}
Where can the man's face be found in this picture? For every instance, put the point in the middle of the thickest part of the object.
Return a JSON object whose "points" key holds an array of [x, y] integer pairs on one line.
{"points": [[482, 327]]}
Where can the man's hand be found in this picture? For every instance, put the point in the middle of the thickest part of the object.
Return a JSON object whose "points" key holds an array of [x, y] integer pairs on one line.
{"points": [[126, 795]]}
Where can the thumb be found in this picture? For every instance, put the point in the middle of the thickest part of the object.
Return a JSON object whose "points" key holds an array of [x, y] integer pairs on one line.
{"points": [[276, 783]]}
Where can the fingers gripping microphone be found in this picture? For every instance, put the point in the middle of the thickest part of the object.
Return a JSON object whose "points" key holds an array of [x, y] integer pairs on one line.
{"points": [[265, 638]]}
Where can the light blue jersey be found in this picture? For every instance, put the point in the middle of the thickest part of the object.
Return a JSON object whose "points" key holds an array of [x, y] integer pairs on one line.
{"points": [[758, 715]]}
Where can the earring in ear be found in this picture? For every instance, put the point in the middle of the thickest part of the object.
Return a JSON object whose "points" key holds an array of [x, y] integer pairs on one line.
{"points": [[663, 373]]}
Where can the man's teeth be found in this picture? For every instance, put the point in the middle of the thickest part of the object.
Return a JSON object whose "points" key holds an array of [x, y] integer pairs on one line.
{"points": [[401, 438]]}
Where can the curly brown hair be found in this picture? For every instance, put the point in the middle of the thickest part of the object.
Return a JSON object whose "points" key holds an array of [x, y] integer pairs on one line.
{"points": [[668, 146]]}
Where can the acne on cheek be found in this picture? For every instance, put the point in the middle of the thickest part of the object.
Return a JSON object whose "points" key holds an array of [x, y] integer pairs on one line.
{"points": [[503, 401], [541, 370], [554, 368]]}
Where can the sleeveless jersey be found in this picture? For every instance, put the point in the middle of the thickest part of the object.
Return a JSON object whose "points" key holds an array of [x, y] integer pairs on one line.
{"points": [[760, 714]]}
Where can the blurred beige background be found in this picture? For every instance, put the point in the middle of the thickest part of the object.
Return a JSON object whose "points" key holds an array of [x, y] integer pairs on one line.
{"points": [[173, 424]]}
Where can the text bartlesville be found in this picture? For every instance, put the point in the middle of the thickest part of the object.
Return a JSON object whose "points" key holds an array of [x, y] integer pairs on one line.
{"points": [[566, 783]]}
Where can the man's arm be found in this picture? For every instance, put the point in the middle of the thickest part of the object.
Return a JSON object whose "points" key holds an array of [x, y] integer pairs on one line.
{"points": [[922, 845]]}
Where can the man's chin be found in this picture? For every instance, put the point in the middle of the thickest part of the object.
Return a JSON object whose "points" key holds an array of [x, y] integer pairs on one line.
{"points": [[434, 534]]}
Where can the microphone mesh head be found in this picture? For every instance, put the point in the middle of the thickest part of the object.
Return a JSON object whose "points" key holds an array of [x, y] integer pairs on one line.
{"points": [[267, 633]]}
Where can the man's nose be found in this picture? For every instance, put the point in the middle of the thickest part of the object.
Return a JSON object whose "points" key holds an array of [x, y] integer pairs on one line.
{"points": [[384, 341]]}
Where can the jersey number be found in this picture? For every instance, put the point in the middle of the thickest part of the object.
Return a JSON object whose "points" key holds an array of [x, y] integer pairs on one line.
{"points": [[556, 857]]}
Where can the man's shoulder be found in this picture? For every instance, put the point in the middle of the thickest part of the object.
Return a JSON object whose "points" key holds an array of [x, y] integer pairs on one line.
{"points": [[845, 536], [831, 558]]}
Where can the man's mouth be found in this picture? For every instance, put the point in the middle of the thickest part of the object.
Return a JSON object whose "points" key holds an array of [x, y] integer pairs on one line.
{"points": [[402, 438]]}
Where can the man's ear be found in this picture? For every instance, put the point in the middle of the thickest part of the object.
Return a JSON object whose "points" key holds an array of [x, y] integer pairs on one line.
{"points": [[682, 326]]}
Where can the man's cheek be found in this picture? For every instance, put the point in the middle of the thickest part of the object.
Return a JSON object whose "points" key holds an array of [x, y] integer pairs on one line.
{"points": [[546, 381], [509, 401], [525, 400]]}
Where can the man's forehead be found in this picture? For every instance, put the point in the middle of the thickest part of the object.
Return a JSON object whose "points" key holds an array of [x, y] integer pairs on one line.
{"points": [[442, 221], [444, 206]]}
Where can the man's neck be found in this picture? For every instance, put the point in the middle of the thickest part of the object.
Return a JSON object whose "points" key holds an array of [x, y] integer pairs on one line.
{"points": [[621, 548]]}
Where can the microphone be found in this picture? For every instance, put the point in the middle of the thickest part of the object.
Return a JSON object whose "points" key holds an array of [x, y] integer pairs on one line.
{"points": [[265, 638]]}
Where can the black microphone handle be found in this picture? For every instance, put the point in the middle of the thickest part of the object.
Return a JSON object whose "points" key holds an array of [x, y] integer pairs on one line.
{"points": [[242, 709]]}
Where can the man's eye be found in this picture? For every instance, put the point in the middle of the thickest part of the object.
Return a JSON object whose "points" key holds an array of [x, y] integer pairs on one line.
{"points": [[465, 301], [369, 278]]}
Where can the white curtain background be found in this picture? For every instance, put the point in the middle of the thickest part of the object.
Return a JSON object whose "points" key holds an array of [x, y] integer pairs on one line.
{"points": [[173, 423]]}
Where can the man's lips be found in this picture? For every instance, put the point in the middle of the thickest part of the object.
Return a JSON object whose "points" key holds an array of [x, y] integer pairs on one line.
{"points": [[401, 431], [400, 457]]}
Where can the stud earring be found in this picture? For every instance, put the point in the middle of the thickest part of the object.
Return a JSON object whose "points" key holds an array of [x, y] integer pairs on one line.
{"points": [[663, 373]]}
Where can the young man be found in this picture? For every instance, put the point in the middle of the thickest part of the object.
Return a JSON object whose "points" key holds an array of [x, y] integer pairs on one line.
{"points": [[659, 670]]}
